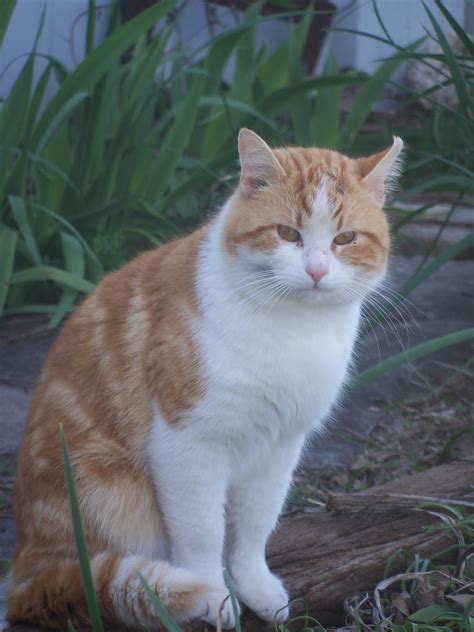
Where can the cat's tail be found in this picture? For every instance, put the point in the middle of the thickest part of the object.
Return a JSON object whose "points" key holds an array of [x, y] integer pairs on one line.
{"points": [[52, 595]]}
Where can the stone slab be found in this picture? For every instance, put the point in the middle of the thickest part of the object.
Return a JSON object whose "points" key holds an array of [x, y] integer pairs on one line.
{"points": [[13, 410]]}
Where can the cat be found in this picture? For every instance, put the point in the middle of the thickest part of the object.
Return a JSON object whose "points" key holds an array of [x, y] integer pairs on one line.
{"points": [[187, 384]]}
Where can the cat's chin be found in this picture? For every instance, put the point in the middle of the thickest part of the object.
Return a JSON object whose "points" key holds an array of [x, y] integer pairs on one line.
{"points": [[320, 296]]}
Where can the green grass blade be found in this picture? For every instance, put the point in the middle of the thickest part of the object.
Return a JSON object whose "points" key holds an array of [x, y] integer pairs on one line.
{"points": [[13, 118], [233, 599], [327, 110], [49, 167], [460, 83], [29, 308], [176, 140], [8, 6], [81, 544], [64, 222], [101, 60], [75, 264], [61, 115], [283, 96], [18, 208], [18, 181], [160, 611], [451, 181], [8, 239], [238, 106], [301, 107], [436, 263], [364, 102], [457, 28], [418, 351], [50, 273], [90, 30]]}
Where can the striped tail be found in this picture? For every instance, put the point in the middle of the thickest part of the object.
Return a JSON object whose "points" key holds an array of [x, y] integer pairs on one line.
{"points": [[53, 595]]}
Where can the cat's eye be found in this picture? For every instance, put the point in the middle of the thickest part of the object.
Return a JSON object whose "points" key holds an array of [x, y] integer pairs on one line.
{"points": [[287, 233], [345, 238]]}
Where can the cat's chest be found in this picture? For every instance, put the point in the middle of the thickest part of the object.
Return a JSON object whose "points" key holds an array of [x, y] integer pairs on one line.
{"points": [[275, 370]]}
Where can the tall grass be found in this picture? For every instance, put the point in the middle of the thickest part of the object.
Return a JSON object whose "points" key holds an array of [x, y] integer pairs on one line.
{"points": [[130, 152]]}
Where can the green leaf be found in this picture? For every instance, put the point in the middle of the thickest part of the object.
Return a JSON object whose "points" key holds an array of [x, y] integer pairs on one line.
{"points": [[8, 6], [175, 140], [363, 104], [442, 181], [75, 264], [220, 104], [283, 96], [233, 599], [327, 110], [61, 115], [460, 83], [8, 239], [81, 544], [436, 263], [33, 308], [18, 208], [457, 28], [13, 117], [300, 108], [433, 613], [90, 31], [160, 611], [101, 60], [64, 222], [418, 351], [49, 273]]}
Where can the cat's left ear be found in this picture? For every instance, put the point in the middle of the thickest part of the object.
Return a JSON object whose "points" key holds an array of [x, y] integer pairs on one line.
{"points": [[258, 163], [381, 171]]}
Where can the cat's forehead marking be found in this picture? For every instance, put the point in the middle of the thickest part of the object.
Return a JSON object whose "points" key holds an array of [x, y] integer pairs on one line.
{"points": [[327, 198], [318, 181]]}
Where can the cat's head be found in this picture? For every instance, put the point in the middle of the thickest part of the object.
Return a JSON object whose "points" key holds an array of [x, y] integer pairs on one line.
{"points": [[308, 223]]}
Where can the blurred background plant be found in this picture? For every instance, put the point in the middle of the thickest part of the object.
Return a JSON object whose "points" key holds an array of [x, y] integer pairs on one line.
{"points": [[137, 144]]}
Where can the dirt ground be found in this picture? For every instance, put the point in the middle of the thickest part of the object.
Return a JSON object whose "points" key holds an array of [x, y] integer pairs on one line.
{"points": [[415, 435]]}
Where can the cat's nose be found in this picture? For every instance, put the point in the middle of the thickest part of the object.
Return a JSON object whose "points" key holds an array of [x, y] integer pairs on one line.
{"points": [[317, 272]]}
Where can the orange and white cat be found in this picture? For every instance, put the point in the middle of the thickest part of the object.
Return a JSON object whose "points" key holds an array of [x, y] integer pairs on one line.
{"points": [[187, 384]]}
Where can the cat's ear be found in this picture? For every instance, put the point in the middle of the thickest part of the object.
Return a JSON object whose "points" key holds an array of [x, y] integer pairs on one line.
{"points": [[381, 171], [258, 164]]}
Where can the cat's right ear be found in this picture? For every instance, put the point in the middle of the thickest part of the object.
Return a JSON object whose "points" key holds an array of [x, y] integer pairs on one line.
{"points": [[258, 164]]}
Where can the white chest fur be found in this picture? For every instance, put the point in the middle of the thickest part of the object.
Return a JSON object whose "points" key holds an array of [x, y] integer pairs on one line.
{"points": [[270, 374]]}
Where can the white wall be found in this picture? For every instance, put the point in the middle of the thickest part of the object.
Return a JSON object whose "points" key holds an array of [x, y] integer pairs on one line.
{"points": [[405, 21], [65, 24], [63, 36]]}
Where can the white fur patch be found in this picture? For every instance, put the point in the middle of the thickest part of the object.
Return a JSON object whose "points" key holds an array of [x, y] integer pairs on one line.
{"points": [[127, 567]]}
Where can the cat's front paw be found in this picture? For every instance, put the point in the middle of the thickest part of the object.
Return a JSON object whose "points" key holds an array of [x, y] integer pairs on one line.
{"points": [[263, 593], [215, 605]]}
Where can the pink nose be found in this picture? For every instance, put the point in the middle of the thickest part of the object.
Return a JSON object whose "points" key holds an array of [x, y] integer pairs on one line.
{"points": [[316, 273]]}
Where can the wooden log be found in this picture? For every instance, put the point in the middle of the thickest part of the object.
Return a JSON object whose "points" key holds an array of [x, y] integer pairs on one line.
{"points": [[324, 557]]}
